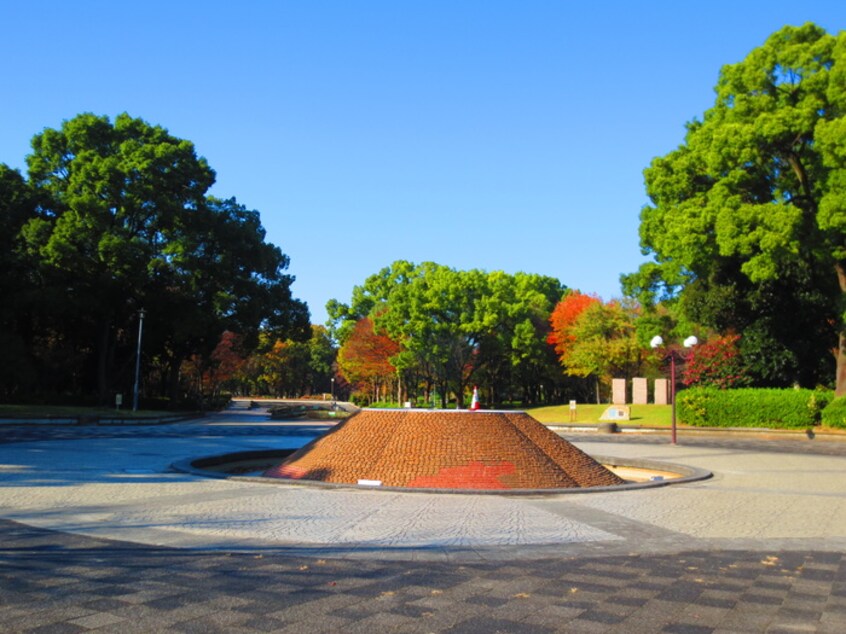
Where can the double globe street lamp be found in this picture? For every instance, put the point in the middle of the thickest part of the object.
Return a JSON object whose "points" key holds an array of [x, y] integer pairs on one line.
{"points": [[657, 342]]}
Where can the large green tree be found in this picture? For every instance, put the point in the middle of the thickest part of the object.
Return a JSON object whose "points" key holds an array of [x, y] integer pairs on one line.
{"points": [[515, 360], [17, 206], [748, 215], [456, 328], [123, 222]]}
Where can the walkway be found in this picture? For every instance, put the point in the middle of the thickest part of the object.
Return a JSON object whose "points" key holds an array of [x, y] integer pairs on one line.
{"points": [[99, 533]]}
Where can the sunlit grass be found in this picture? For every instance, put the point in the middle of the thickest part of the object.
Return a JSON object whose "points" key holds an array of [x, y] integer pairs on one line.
{"points": [[643, 415]]}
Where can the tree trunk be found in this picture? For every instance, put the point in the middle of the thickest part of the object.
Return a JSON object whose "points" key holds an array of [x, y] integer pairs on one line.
{"points": [[172, 379], [840, 352], [103, 361], [840, 385]]}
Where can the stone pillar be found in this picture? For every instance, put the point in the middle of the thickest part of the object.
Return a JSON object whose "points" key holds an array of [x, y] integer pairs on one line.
{"points": [[640, 391], [618, 391], [662, 391]]}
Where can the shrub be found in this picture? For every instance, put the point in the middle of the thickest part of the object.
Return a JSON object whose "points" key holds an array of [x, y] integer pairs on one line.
{"points": [[317, 411], [360, 399], [750, 407], [834, 414], [384, 405]]}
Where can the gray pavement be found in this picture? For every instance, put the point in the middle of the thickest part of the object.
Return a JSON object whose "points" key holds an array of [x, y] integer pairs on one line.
{"points": [[100, 534]]}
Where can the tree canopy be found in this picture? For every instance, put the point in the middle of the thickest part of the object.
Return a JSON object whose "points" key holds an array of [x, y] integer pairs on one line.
{"points": [[598, 341], [564, 317], [115, 217], [747, 223], [365, 359], [456, 328]]}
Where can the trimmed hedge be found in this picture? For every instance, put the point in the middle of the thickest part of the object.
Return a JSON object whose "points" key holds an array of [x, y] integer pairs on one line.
{"points": [[752, 407], [834, 414]]}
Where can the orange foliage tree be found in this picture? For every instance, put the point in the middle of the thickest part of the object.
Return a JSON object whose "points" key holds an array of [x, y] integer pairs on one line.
{"points": [[209, 374], [365, 359], [564, 317]]}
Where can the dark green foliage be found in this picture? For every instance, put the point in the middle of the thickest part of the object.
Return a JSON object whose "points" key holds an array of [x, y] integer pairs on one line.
{"points": [[115, 217], [776, 351], [17, 205], [751, 407], [834, 414], [748, 216]]}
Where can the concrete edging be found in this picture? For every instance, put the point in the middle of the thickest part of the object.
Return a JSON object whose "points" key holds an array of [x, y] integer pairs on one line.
{"points": [[97, 419], [752, 432], [687, 473]]}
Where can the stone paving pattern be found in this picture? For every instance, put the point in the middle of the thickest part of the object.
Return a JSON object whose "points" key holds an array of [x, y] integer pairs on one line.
{"points": [[759, 548], [57, 582], [445, 449]]}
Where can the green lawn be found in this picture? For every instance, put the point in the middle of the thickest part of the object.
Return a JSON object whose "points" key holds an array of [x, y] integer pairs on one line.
{"points": [[643, 415]]}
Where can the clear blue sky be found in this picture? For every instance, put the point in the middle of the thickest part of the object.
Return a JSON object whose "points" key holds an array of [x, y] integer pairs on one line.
{"points": [[477, 134]]}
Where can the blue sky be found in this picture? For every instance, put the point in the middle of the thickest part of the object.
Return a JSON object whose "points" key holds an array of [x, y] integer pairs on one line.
{"points": [[476, 134]]}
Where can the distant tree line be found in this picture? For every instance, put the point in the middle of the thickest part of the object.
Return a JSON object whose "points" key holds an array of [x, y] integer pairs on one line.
{"points": [[280, 368], [112, 218], [427, 333]]}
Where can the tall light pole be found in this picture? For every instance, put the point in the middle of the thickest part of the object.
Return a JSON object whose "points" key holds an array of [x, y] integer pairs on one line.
{"points": [[141, 314], [333, 388], [656, 342]]}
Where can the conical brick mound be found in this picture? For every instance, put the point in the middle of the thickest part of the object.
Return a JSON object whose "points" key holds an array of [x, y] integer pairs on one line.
{"points": [[445, 450]]}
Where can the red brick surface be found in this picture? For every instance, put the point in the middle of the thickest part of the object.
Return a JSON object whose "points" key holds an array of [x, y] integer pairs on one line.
{"points": [[445, 449]]}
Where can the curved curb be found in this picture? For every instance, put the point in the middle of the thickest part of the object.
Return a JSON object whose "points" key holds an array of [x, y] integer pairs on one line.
{"points": [[101, 420], [199, 467]]}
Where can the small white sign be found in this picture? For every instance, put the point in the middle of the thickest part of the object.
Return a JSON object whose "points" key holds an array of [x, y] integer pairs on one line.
{"points": [[572, 404], [616, 412], [370, 483]]}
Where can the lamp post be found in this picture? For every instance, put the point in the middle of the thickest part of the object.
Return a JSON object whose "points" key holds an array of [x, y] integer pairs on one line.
{"points": [[141, 314], [333, 388], [656, 342]]}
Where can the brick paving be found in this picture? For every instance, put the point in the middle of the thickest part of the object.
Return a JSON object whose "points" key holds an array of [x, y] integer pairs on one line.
{"points": [[445, 450], [660, 577], [56, 582]]}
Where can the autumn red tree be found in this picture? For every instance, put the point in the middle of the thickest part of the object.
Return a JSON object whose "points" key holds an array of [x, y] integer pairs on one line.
{"points": [[564, 317], [717, 363], [228, 357], [208, 374], [365, 359]]}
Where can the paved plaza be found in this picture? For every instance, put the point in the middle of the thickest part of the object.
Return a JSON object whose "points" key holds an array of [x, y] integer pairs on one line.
{"points": [[100, 533]]}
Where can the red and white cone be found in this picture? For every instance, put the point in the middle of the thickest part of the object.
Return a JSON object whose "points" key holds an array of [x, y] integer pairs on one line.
{"points": [[474, 404]]}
